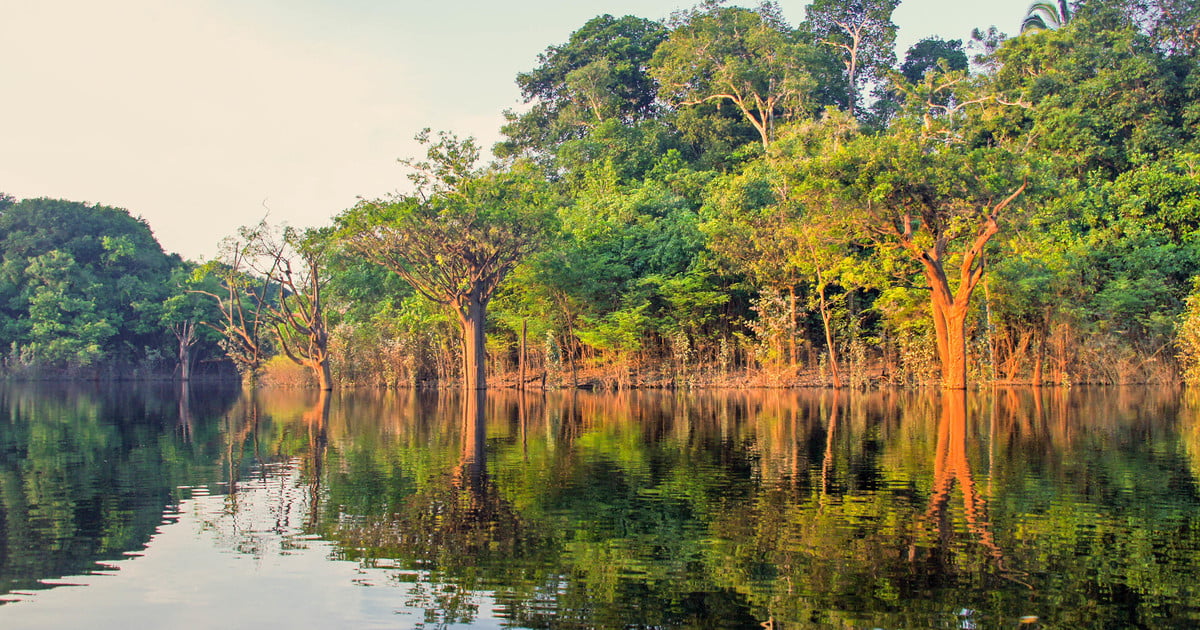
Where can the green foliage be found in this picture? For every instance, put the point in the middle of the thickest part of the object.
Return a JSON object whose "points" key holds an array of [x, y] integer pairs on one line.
{"points": [[930, 54], [76, 284], [749, 58], [599, 75], [462, 231], [675, 186], [862, 36], [1097, 94], [401, 344], [64, 326], [1187, 339]]}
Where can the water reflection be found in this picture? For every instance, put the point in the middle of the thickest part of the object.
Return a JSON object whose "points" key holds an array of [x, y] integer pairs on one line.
{"points": [[85, 477], [747, 509]]}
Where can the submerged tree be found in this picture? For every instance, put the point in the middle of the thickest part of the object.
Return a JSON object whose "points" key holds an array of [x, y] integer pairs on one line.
{"points": [[938, 201], [183, 315], [458, 236], [274, 283], [294, 262], [240, 300]]}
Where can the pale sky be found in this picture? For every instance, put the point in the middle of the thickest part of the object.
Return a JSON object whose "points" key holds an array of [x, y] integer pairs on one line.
{"points": [[200, 115]]}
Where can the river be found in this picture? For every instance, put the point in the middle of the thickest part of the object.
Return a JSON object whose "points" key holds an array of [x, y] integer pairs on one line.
{"points": [[149, 506]]}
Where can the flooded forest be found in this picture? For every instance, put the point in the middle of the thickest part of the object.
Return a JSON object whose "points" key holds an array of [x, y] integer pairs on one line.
{"points": [[741, 324], [718, 199]]}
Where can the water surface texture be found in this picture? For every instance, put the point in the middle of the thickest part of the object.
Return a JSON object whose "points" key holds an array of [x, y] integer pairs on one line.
{"points": [[152, 507]]}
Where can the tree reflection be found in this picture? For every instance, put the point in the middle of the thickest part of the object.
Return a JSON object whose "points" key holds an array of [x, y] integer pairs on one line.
{"points": [[951, 466], [87, 474], [794, 509], [317, 422]]}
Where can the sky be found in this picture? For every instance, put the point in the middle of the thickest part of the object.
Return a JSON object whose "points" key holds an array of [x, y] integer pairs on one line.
{"points": [[206, 115]]}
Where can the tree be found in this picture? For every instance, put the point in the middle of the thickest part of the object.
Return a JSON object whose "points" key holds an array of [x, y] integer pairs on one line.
{"points": [[599, 74], [66, 260], [761, 221], [65, 327], [293, 262], [241, 302], [458, 236], [1187, 339], [933, 54], [1098, 94], [184, 313], [1046, 15], [939, 202], [274, 283], [863, 32], [750, 58]]}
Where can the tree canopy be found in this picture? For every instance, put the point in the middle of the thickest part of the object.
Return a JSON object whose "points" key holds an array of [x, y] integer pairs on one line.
{"points": [[723, 197]]}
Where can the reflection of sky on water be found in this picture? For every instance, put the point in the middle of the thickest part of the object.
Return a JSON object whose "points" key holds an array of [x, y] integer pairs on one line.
{"points": [[236, 560]]}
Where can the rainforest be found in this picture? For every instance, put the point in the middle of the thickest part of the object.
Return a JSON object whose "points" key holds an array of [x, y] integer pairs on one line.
{"points": [[716, 199], [740, 324]]}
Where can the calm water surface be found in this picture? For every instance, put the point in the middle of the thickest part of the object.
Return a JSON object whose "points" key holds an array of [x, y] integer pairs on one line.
{"points": [[142, 507]]}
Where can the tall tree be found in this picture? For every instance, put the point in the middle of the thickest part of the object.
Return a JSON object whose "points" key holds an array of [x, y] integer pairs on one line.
{"points": [[939, 202], [459, 235], [863, 33], [599, 74], [294, 263], [749, 58]]}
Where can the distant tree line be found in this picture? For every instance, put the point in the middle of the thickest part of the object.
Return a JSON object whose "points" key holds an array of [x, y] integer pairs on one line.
{"points": [[719, 198], [87, 291]]}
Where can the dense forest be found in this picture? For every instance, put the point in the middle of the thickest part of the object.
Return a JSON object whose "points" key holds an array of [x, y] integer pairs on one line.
{"points": [[720, 198]]}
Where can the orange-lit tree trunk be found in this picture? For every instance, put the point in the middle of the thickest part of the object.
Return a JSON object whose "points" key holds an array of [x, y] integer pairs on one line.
{"points": [[950, 302], [920, 189], [827, 323], [472, 320]]}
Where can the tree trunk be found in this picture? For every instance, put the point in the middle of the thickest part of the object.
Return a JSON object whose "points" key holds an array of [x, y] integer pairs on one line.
{"points": [[185, 332], [185, 360], [1039, 360], [827, 322], [524, 356], [472, 317], [324, 375], [954, 370], [940, 333], [950, 324], [792, 356]]}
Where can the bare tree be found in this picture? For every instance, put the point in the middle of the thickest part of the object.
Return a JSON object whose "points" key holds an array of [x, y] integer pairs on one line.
{"points": [[273, 283]]}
